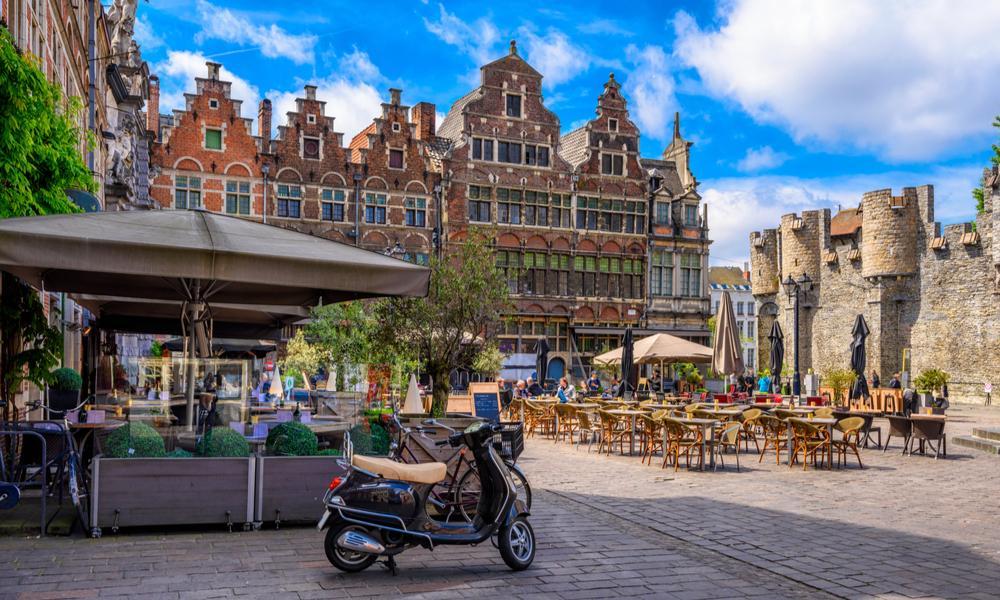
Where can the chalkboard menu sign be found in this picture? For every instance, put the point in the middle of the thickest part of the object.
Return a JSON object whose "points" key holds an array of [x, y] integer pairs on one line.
{"points": [[485, 401]]}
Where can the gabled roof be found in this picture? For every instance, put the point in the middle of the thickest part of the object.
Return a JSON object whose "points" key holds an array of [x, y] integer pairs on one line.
{"points": [[437, 150], [512, 62], [451, 126], [845, 222], [666, 170], [360, 141], [574, 145], [730, 277]]}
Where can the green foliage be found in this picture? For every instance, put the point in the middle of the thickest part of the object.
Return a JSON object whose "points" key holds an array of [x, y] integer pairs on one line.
{"points": [[328, 452], [489, 361], [222, 441], [467, 300], [179, 453], [142, 439], [66, 380], [979, 194], [371, 439], [39, 141], [156, 349], [841, 381], [29, 348], [301, 356], [292, 439], [930, 381]]}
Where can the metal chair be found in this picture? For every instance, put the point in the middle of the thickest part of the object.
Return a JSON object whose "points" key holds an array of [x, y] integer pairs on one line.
{"points": [[899, 427]]}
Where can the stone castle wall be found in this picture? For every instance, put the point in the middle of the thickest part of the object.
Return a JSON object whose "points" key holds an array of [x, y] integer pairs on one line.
{"points": [[930, 298]]}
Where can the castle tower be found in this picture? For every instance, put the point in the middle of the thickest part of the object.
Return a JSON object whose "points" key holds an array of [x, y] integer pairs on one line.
{"points": [[889, 227], [803, 238], [764, 267]]}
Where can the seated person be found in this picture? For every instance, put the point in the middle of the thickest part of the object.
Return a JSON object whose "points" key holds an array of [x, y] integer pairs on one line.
{"points": [[565, 392], [261, 392], [521, 389], [594, 384], [613, 391], [894, 383], [534, 390]]}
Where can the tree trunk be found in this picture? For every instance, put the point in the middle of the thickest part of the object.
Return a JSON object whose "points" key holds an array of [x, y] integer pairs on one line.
{"points": [[442, 387]]}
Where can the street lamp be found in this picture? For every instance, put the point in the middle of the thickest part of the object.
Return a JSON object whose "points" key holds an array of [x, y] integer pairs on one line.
{"points": [[265, 169], [794, 289], [395, 251]]}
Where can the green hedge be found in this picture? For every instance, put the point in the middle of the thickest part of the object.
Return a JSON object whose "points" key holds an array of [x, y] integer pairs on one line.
{"points": [[292, 439], [221, 442], [142, 439], [65, 380]]}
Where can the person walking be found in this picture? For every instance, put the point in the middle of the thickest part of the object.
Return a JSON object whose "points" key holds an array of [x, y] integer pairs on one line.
{"points": [[876, 383]]}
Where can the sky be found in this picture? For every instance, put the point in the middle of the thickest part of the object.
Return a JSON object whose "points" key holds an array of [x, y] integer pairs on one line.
{"points": [[791, 105]]}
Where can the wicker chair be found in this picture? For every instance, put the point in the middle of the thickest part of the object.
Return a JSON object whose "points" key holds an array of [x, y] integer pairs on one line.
{"points": [[585, 424], [749, 419], [567, 421], [538, 417], [652, 436], [729, 437], [809, 439], [775, 436], [613, 429], [681, 439], [690, 408], [825, 412], [900, 427], [851, 429]]}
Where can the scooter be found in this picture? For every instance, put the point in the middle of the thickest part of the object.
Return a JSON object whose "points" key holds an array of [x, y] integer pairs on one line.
{"points": [[378, 508]]}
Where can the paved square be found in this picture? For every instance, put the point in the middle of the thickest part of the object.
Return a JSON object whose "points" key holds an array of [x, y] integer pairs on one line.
{"points": [[904, 527]]}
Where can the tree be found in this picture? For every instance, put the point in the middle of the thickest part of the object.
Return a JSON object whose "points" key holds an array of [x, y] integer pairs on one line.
{"points": [[840, 380], [489, 361], [301, 356], [979, 194], [468, 296], [39, 141]]}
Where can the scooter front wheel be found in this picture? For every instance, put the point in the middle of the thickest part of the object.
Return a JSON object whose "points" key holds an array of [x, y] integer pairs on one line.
{"points": [[346, 560], [517, 544]]}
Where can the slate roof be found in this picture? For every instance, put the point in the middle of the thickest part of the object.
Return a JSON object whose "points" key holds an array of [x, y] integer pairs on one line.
{"points": [[574, 145], [667, 169], [437, 150], [451, 126], [845, 222]]}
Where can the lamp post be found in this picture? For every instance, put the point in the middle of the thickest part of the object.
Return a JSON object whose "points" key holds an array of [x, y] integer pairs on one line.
{"points": [[794, 289], [265, 169]]}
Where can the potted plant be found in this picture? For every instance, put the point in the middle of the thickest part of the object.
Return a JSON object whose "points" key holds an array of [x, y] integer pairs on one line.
{"points": [[929, 383], [840, 381], [64, 389]]}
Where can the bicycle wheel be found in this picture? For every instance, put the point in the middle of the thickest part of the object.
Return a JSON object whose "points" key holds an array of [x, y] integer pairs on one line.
{"points": [[521, 485], [467, 492]]}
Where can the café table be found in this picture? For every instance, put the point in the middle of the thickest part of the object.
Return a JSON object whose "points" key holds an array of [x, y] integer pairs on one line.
{"points": [[825, 422], [87, 433], [866, 429], [707, 427], [633, 414], [576, 405]]}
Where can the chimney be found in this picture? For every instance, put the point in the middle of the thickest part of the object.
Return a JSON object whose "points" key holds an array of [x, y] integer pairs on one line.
{"points": [[264, 122], [395, 96], [423, 116], [746, 271], [153, 106], [213, 69], [310, 92]]}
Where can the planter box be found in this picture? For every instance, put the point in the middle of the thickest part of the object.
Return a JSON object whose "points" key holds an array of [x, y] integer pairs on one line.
{"points": [[291, 488], [132, 492]]}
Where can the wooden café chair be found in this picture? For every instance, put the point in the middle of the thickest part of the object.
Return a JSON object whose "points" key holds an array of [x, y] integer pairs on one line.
{"points": [[851, 431], [681, 439], [810, 440], [775, 436]]}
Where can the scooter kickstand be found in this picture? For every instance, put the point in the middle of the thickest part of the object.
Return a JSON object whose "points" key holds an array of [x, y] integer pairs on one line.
{"points": [[390, 563]]}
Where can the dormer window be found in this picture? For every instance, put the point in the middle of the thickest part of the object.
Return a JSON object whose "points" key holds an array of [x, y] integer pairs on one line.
{"points": [[396, 127], [213, 103], [311, 119], [513, 105], [612, 125]]}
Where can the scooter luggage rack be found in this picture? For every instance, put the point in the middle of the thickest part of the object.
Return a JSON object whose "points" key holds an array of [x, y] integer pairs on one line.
{"points": [[404, 530]]}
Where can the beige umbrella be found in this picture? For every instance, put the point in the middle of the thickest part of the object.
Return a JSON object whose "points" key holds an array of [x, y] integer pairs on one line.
{"points": [[727, 354], [660, 347]]}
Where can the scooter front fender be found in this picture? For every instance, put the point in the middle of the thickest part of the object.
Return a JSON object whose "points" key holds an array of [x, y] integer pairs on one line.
{"points": [[517, 509]]}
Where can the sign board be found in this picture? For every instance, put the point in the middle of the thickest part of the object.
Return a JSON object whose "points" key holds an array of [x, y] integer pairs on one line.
{"points": [[485, 401], [269, 365]]}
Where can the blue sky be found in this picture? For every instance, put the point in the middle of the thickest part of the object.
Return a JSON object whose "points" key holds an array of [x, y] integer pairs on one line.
{"points": [[791, 105]]}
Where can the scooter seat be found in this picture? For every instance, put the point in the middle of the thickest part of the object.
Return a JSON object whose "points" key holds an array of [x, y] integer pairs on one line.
{"points": [[390, 469]]}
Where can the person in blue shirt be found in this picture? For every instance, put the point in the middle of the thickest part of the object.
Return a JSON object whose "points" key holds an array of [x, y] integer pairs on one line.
{"points": [[764, 384], [593, 384]]}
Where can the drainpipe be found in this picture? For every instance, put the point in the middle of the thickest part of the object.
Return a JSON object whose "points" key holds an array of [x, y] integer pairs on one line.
{"points": [[357, 208], [92, 76]]}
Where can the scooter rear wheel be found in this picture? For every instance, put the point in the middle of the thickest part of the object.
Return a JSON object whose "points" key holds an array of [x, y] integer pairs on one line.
{"points": [[517, 544], [346, 560]]}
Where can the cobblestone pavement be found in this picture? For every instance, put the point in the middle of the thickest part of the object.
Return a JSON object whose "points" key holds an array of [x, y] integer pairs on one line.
{"points": [[904, 527]]}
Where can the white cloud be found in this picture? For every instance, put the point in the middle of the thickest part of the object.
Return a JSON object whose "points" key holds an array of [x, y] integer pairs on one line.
{"points": [[273, 41], [554, 56], [604, 27], [476, 40], [740, 205], [145, 35], [761, 159], [650, 89], [908, 81], [177, 73], [351, 94]]}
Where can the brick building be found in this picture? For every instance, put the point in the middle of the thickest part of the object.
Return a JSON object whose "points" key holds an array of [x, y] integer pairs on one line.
{"points": [[570, 214]]}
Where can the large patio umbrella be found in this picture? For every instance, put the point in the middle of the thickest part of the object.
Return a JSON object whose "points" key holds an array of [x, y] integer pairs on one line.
{"points": [[727, 353], [660, 347], [859, 357], [199, 260], [627, 363], [542, 360], [777, 340]]}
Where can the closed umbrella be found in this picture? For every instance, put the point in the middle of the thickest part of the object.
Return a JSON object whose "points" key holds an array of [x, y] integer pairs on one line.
{"points": [[727, 355], [777, 339], [627, 363], [542, 360], [859, 358]]}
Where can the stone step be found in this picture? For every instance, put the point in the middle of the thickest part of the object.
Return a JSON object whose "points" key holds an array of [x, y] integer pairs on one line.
{"points": [[976, 443], [988, 433]]}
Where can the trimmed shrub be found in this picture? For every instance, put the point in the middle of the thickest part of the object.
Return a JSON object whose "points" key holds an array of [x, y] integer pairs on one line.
{"points": [[328, 452], [179, 453], [222, 442], [142, 439], [66, 380], [372, 439], [292, 439]]}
